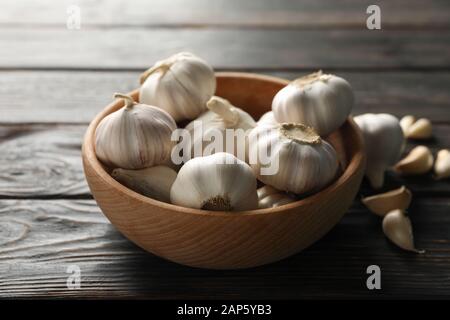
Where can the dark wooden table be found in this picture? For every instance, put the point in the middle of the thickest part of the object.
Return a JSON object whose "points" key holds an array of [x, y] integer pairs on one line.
{"points": [[54, 80]]}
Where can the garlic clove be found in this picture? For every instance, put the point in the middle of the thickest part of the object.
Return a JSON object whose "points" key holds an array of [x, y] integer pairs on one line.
{"points": [[418, 161], [384, 141], [266, 191], [154, 182], [383, 203], [274, 200], [442, 164], [219, 182], [397, 228], [406, 122], [421, 129]]}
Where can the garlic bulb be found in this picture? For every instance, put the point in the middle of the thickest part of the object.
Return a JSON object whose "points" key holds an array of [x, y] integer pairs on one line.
{"points": [[382, 204], [214, 124], [269, 197], [180, 85], [420, 129], [134, 137], [397, 228], [219, 182], [267, 119], [154, 182], [384, 142], [418, 161], [299, 160], [322, 101], [442, 165]]}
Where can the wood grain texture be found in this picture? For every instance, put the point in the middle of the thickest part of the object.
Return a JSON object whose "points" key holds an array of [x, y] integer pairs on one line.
{"points": [[229, 13], [40, 239], [41, 161], [76, 97], [225, 49]]}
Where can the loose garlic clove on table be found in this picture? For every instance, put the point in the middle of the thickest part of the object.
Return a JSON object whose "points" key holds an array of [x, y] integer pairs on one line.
{"points": [[420, 129], [442, 164], [382, 204], [418, 161], [397, 228]]}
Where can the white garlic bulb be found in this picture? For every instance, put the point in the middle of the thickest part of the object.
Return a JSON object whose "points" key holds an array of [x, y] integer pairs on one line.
{"points": [[322, 101], [384, 143], [214, 124], [180, 85], [397, 228], [292, 157], [154, 182], [267, 119], [219, 182], [134, 137], [269, 197], [419, 161], [442, 164]]}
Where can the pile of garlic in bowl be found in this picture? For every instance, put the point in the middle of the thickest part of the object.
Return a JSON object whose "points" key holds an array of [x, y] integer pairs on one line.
{"points": [[183, 145]]}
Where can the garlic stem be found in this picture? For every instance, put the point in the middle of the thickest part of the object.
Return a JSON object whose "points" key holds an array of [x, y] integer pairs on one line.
{"points": [[310, 78], [157, 67], [129, 102], [224, 109]]}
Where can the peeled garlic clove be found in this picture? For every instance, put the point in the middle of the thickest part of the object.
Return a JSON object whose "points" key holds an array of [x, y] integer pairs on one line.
{"points": [[219, 182], [180, 85], [442, 164], [397, 228], [421, 129], [269, 197], [267, 119], [134, 137], [383, 203], [384, 142], [154, 182], [418, 161], [221, 117], [321, 101], [292, 157], [406, 122]]}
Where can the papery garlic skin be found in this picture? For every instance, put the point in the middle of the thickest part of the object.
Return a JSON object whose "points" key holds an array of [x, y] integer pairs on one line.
{"points": [[397, 228], [419, 161], [267, 119], [269, 197], [382, 204], [322, 101], [134, 137], [219, 182], [306, 163], [154, 182], [442, 164], [180, 85], [384, 144], [220, 117]]}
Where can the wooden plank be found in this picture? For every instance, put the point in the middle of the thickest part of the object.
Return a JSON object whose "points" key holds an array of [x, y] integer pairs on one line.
{"points": [[138, 48], [44, 161], [40, 239], [76, 97], [261, 13]]}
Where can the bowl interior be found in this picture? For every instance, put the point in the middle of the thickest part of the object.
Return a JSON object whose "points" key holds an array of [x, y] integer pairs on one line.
{"points": [[253, 93]]}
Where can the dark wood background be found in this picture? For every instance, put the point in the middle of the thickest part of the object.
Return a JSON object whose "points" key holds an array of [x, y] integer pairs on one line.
{"points": [[54, 80]]}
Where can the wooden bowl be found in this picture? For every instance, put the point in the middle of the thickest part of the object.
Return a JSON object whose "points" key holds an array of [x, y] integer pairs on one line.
{"points": [[224, 240]]}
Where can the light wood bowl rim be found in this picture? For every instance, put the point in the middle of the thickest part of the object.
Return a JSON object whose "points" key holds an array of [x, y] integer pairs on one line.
{"points": [[90, 157]]}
